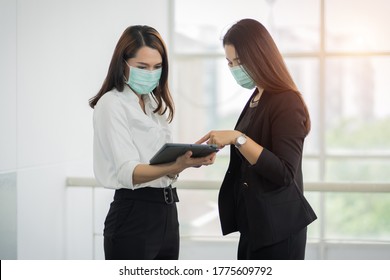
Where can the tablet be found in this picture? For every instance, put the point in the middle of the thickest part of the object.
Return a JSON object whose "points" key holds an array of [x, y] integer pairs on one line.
{"points": [[170, 151]]}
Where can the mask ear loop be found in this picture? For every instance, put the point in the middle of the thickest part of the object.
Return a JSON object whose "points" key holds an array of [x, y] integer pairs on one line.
{"points": [[124, 76]]}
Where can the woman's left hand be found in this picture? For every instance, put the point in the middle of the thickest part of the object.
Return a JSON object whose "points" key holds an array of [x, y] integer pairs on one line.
{"points": [[221, 138]]}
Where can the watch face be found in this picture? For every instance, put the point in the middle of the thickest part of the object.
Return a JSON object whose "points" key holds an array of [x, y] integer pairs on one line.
{"points": [[241, 140]]}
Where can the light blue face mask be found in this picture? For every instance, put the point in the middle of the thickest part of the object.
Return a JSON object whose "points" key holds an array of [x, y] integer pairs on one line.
{"points": [[242, 78], [143, 81]]}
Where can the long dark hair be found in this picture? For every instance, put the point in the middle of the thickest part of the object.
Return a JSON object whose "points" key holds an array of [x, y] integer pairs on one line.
{"points": [[258, 53], [132, 39]]}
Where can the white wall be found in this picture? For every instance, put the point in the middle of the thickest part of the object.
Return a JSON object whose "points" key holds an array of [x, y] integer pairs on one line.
{"points": [[54, 55], [8, 136]]}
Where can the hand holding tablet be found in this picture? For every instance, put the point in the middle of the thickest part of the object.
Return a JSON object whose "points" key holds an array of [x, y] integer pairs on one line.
{"points": [[169, 152]]}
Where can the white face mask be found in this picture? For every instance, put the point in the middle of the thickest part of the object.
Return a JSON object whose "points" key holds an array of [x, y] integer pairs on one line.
{"points": [[143, 81]]}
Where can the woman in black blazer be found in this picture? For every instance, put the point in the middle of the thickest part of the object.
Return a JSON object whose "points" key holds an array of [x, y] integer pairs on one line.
{"points": [[262, 193]]}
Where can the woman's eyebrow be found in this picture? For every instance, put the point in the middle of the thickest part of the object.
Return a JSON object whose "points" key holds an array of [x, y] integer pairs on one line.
{"points": [[146, 64]]}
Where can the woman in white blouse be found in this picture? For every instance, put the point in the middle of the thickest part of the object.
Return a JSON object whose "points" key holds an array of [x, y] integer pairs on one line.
{"points": [[132, 112]]}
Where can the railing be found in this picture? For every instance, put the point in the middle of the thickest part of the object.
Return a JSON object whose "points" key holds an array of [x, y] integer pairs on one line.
{"points": [[213, 185]]}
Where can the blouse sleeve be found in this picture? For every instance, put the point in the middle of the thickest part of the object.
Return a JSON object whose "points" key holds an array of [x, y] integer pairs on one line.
{"points": [[115, 155], [280, 162]]}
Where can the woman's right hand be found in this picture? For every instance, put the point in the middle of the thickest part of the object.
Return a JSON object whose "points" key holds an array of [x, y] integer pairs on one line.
{"points": [[145, 172], [186, 161]]}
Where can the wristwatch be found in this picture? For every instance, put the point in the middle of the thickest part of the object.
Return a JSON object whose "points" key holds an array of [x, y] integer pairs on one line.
{"points": [[241, 140]]}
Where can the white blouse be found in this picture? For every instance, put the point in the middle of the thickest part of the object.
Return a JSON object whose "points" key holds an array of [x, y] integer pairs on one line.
{"points": [[124, 136]]}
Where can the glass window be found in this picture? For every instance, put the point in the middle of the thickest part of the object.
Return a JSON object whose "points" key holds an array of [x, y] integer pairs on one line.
{"points": [[357, 99], [199, 25], [311, 170], [198, 210], [353, 25], [207, 96], [358, 216], [358, 169]]}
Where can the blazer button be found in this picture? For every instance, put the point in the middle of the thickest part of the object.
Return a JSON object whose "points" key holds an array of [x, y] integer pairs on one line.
{"points": [[245, 185]]}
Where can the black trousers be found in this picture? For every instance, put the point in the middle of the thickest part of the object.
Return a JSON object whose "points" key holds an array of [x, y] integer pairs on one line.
{"points": [[292, 248], [142, 225]]}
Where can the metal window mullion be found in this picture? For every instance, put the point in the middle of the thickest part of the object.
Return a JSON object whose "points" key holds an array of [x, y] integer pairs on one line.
{"points": [[322, 127]]}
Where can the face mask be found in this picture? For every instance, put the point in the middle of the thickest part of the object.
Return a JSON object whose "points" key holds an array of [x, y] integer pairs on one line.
{"points": [[143, 81], [242, 78]]}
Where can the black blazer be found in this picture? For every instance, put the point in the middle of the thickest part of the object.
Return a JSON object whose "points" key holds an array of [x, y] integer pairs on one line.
{"points": [[272, 187]]}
